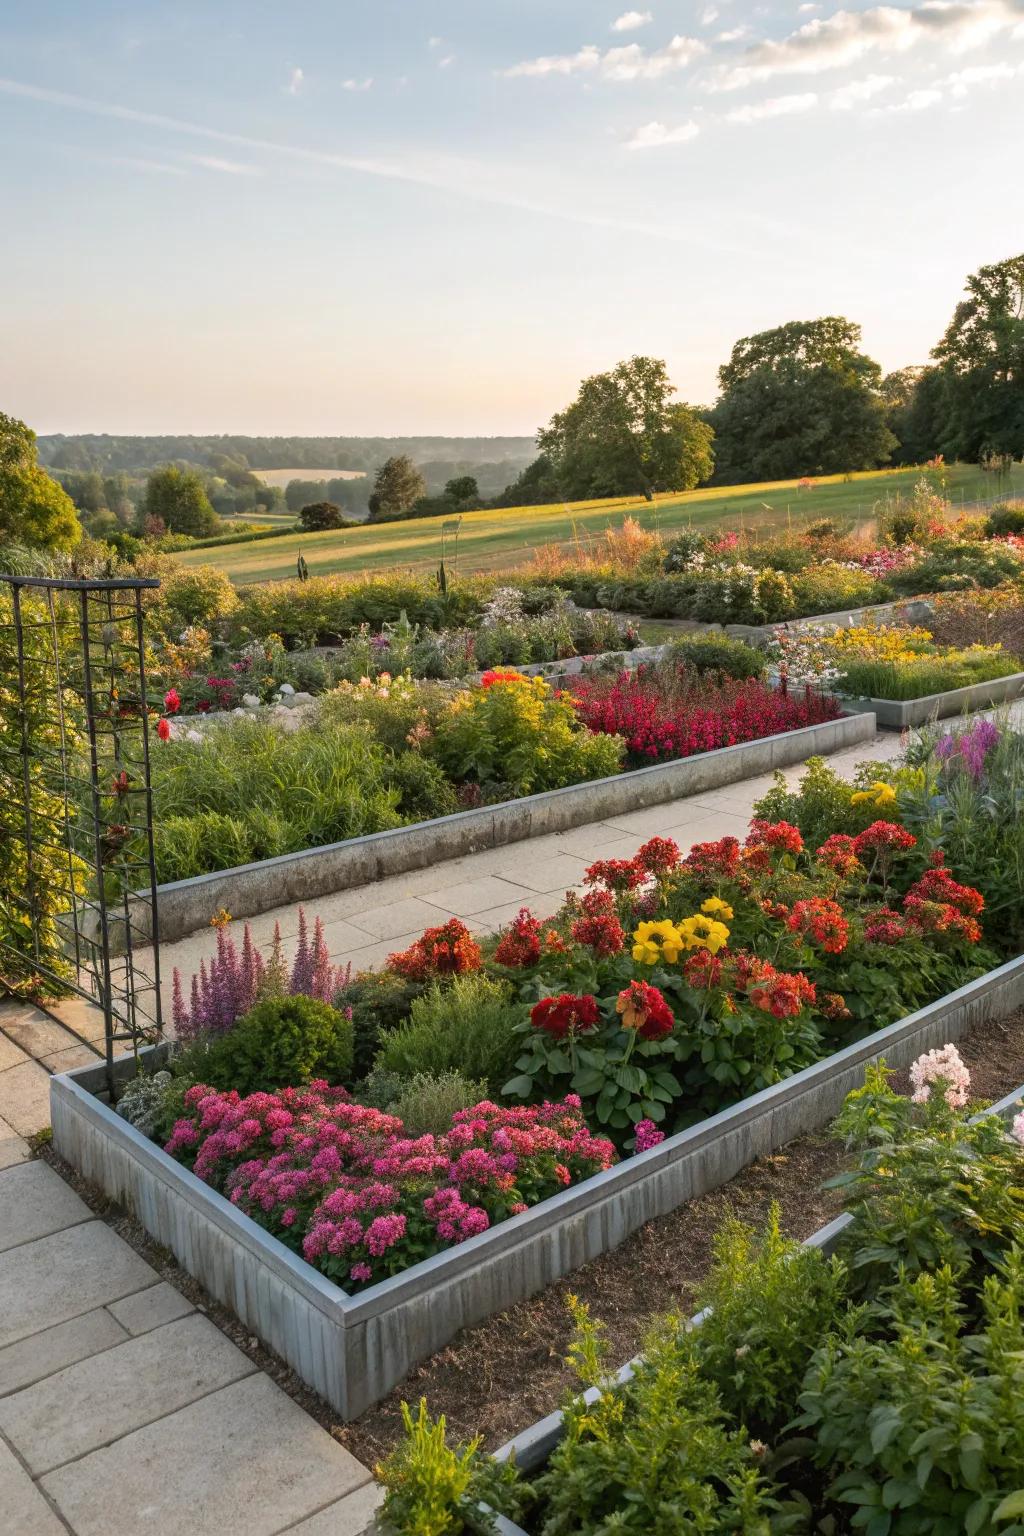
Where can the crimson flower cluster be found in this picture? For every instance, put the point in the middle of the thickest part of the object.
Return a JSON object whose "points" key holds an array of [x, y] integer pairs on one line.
{"points": [[346, 1187], [447, 950], [821, 922], [565, 1014], [520, 944], [693, 716], [598, 928]]}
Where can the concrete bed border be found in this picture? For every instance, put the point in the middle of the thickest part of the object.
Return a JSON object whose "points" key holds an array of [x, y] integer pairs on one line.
{"points": [[249, 889], [902, 714], [532, 1448], [354, 1349]]}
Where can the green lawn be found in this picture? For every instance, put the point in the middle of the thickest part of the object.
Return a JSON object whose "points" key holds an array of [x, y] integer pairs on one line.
{"points": [[507, 538]]}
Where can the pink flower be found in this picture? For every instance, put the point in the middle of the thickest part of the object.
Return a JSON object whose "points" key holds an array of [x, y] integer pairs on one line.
{"points": [[941, 1066], [647, 1136]]}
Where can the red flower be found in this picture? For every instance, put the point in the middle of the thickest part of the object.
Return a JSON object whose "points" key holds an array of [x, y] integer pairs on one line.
{"points": [[884, 927], [644, 1009], [172, 701], [499, 675], [603, 934], [779, 836], [821, 921], [702, 969], [881, 836], [839, 853], [163, 730], [519, 945], [565, 1014], [617, 874], [449, 949], [657, 856], [939, 917], [937, 884], [780, 993], [713, 861]]}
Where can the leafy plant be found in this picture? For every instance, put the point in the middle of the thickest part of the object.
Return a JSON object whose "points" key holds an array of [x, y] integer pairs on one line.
{"points": [[466, 1026], [433, 1489], [282, 1043], [716, 653], [427, 1102]]}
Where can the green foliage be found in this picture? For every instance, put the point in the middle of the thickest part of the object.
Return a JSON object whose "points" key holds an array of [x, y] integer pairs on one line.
{"points": [[771, 1300], [189, 595], [35, 511], [622, 435], [433, 1489], [980, 361], [823, 801], [423, 790], [318, 515], [653, 1455], [1005, 519], [465, 1026], [283, 1042], [256, 790], [326, 608], [925, 675], [716, 653], [520, 739], [951, 565], [800, 400], [426, 1102], [397, 486], [176, 499], [379, 1000]]}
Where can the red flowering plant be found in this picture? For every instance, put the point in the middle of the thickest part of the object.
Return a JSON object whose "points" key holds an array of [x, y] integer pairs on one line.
{"points": [[345, 1187], [447, 950]]}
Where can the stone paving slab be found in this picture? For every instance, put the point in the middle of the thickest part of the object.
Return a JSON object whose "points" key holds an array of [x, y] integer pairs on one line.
{"points": [[244, 1461], [411, 914], [62, 1276], [23, 1509], [43, 1353], [149, 1309], [25, 1098], [37, 1035], [35, 1201], [353, 1516], [107, 1396], [11, 1055], [13, 1149]]}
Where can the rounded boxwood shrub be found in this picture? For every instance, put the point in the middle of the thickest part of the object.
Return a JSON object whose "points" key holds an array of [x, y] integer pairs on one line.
{"points": [[466, 1026], [717, 653], [283, 1042]]}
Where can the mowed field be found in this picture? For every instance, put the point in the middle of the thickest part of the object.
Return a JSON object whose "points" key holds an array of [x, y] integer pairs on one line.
{"points": [[497, 540]]}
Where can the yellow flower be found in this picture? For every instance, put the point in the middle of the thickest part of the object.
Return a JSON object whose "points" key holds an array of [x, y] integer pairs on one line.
{"points": [[715, 907], [221, 918], [658, 941], [700, 932], [878, 794]]}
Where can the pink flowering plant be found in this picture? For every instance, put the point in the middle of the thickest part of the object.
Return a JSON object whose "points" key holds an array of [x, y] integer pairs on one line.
{"points": [[344, 1186]]}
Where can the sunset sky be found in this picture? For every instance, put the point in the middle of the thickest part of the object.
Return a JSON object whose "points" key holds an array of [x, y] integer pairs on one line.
{"points": [[437, 215]]}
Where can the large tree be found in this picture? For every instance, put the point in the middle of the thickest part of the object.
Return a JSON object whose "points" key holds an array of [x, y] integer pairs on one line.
{"points": [[177, 498], [980, 360], [398, 485], [801, 399], [911, 398], [624, 435], [34, 510]]}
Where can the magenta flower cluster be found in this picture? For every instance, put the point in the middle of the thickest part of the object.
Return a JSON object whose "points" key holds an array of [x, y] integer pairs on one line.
{"points": [[226, 989], [343, 1184]]}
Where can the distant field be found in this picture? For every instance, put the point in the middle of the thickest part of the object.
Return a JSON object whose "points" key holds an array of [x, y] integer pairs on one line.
{"points": [[281, 477], [498, 539]]}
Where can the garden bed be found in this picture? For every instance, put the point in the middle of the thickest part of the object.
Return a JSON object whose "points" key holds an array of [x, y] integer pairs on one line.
{"points": [[903, 714], [353, 1349], [249, 889]]}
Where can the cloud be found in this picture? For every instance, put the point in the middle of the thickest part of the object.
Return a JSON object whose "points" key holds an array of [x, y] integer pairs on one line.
{"points": [[776, 106], [630, 20], [630, 62], [857, 91], [227, 167], [709, 16], [357, 85], [657, 135], [733, 35], [296, 80], [446, 62], [980, 74], [134, 163], [917, 101], [837, 41]]}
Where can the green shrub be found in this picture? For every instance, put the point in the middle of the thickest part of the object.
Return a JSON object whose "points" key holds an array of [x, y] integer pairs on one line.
{"points": [[378, 1000], [466, 1027], [433, 1489], [955, 565], [717, 653], [190, 595], [251, 790], [1005, 519], [823, 801], [423, 790], [427, 1102], [283, 1042], [927, 675]]}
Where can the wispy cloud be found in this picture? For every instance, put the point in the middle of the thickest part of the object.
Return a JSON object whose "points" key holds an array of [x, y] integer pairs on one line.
{"points": [[709, 15], [357, 85], [917, 101], [856, 92], [837, 41], [775, 106], [733, 35], [296, 80], [964, 80], [447, 61], [658, 135], [629, 21], [226, 167], [138, 163], [630, 62]]}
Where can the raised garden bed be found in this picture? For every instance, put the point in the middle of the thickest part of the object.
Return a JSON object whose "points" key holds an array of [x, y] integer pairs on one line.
{"points": [[353, 1349], [902, 714], [250, 889]]}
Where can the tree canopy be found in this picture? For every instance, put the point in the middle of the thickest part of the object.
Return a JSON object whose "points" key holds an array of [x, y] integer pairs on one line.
{"points": [[623, 435], [980, 361], [34, 510], [177, 498], [398, 485], [801, 399]]}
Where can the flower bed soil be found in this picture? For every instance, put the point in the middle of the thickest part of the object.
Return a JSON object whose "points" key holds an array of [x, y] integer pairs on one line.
{"points": [[496, 1379]]}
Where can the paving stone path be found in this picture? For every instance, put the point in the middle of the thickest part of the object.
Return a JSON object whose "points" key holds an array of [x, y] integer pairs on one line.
{"points": [[123, 1409]]}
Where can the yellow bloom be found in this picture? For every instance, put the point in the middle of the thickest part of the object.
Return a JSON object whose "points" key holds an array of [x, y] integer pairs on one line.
{"points": [[700, 932], [715, 907], [878, 794], [658, 941]]}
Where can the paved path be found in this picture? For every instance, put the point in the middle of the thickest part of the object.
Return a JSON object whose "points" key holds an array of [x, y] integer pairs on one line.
{"points": [[487, 889]]}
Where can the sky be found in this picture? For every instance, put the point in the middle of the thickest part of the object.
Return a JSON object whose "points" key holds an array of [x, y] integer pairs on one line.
{"points": [[437, 216]]}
